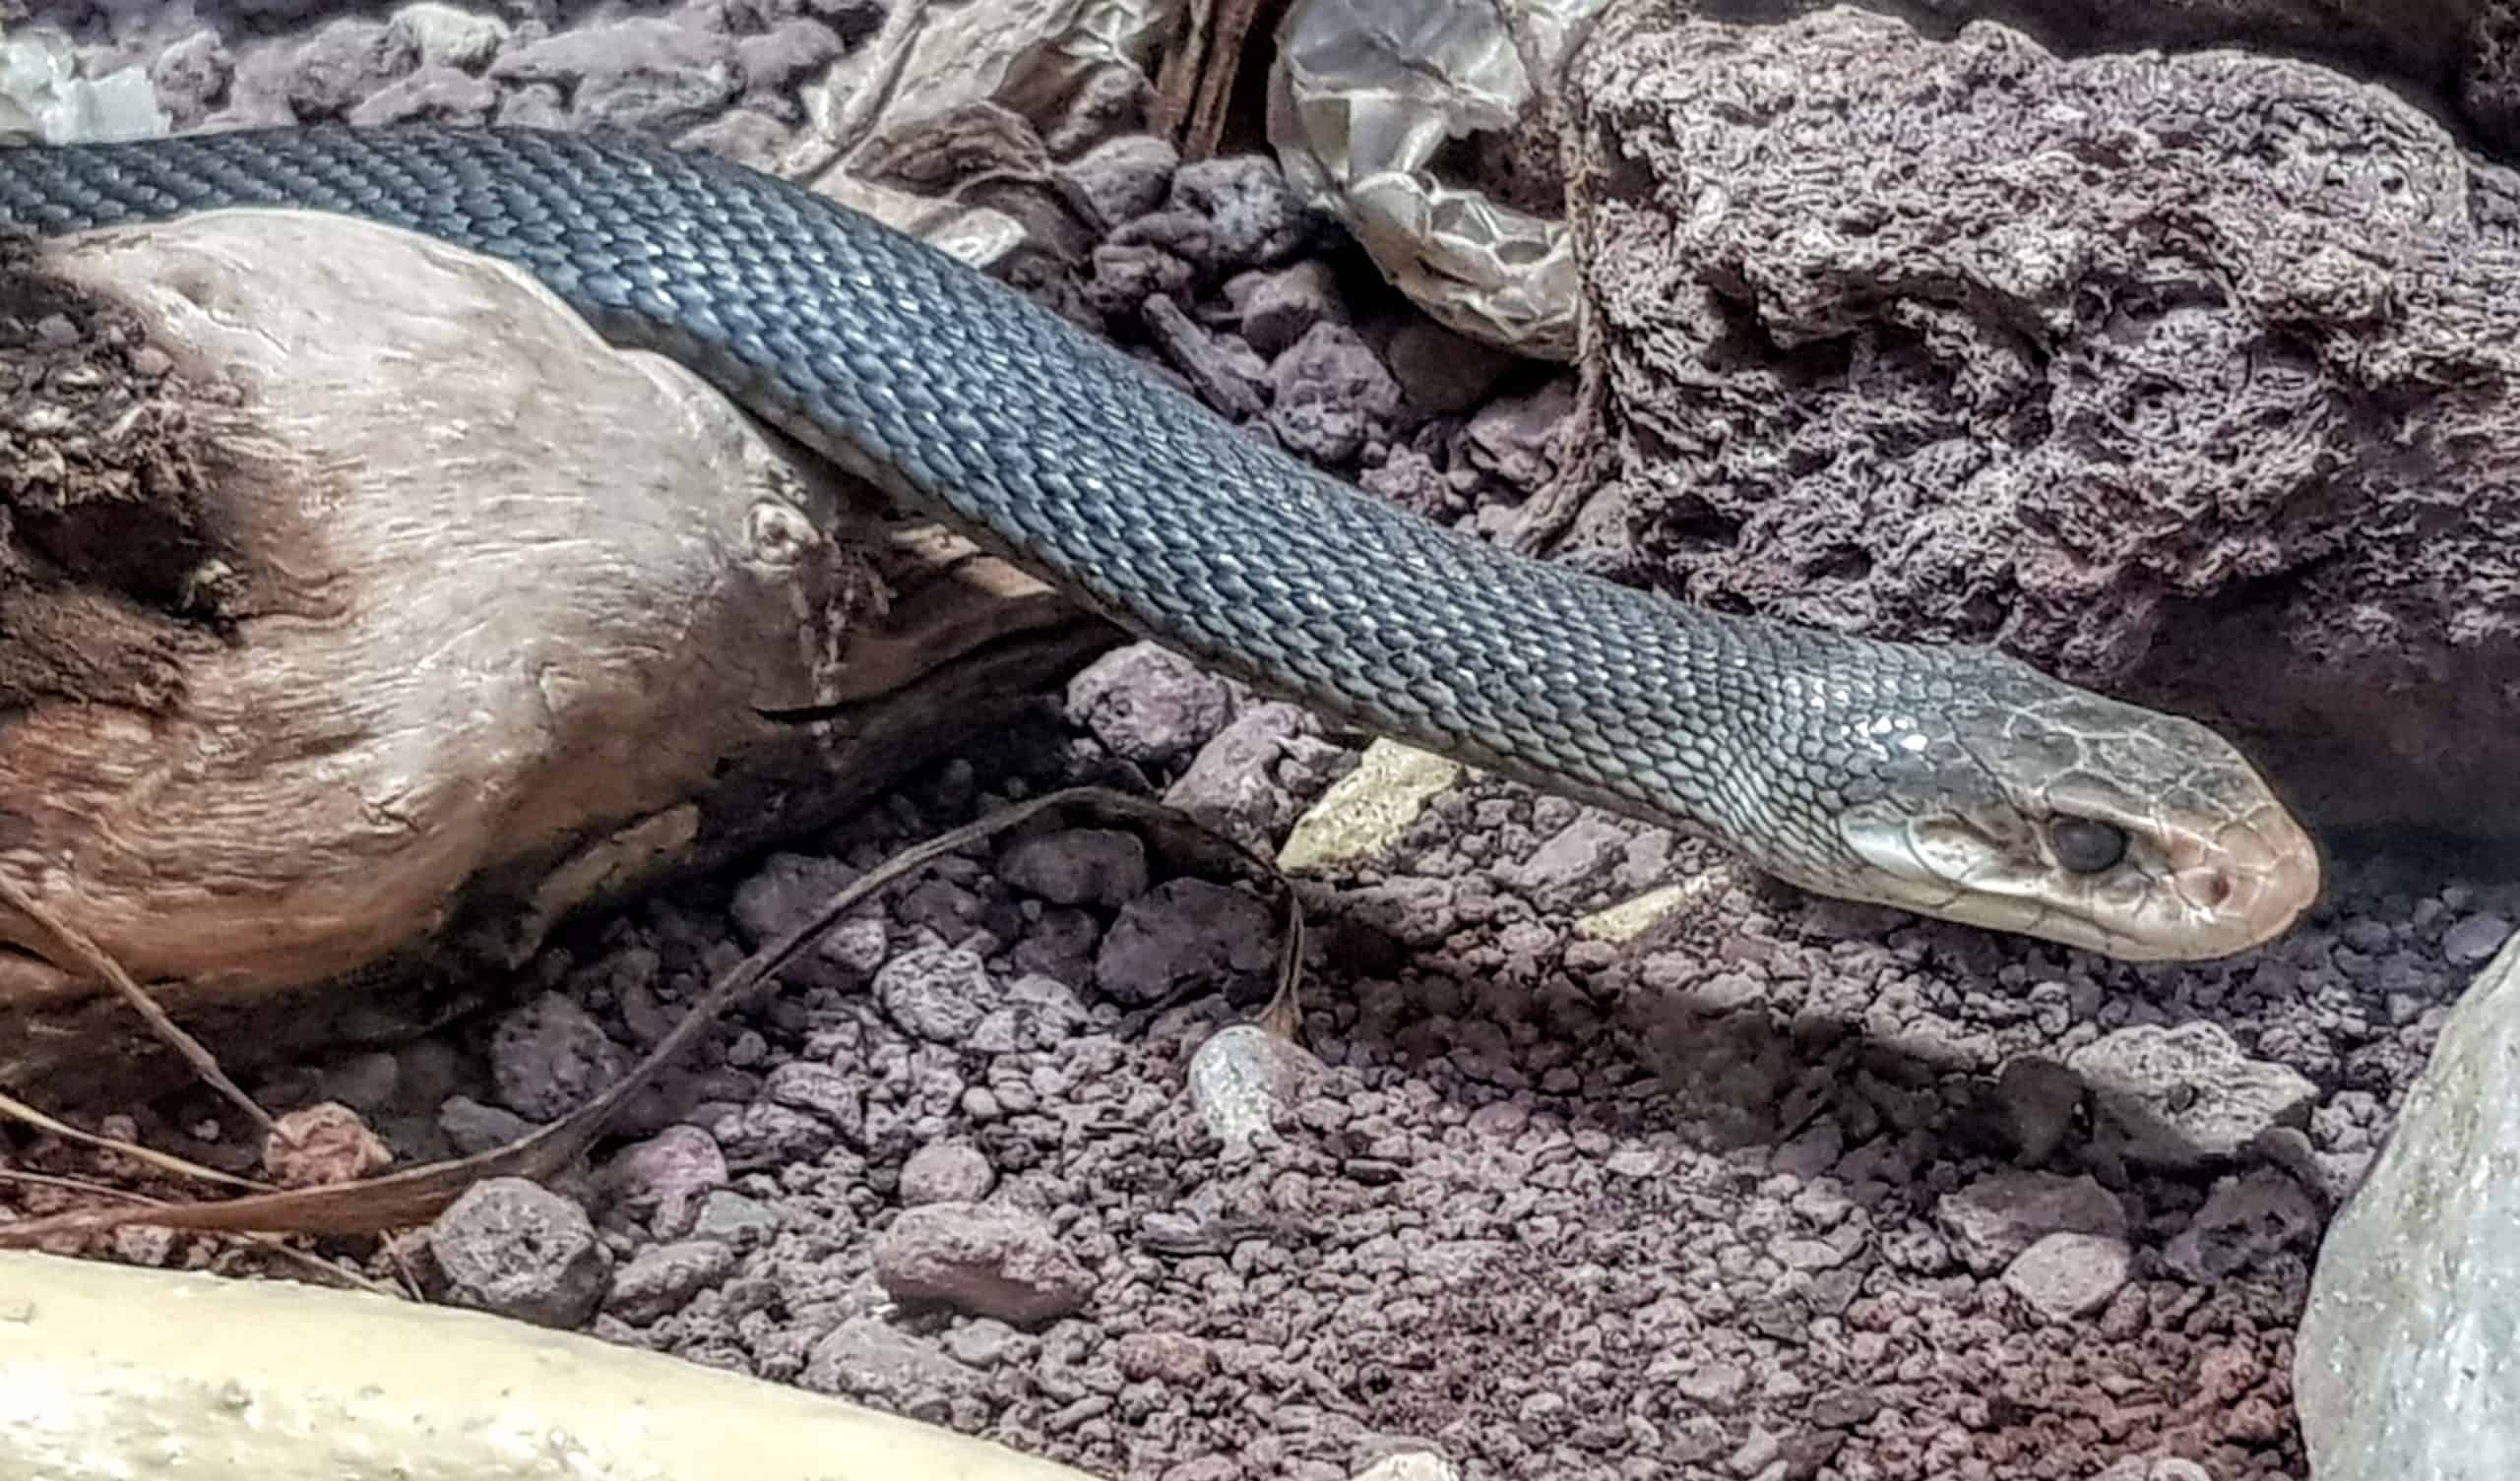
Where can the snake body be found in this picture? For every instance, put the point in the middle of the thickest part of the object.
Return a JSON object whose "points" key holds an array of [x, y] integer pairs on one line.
{"points": [[1951, 780]]}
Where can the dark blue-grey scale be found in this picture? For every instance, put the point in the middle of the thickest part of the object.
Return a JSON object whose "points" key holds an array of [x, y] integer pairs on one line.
{"points": [[1000, 417]]}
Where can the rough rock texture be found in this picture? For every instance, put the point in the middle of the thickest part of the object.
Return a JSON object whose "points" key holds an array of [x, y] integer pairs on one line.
{"points": [[2188, 1095], [662, 1278], [2460, 52], [550, 1057], [951, 1171], [2406, 1351], [1997, 1217], [637, 74], [1186, 936], [1332, 394], [1079, 867], [982, 1260], [2068, 1276], [323, 1145], [664, 1179], [674, 71], [522, 1251], [1244, 780], [1149, 706], [2187, 376]]}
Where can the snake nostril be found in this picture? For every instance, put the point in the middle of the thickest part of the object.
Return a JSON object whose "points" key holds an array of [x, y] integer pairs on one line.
{"points": [[2218, 887]]}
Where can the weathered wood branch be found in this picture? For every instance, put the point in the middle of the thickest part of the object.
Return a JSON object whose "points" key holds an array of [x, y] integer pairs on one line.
{"points": [[359, 606]]}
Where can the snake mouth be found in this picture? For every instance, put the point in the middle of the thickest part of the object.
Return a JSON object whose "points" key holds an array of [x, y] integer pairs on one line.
{"points": [[2189, 889]]}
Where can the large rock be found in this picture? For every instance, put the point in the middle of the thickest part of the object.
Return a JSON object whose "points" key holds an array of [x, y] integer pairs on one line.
{"points": [[2188, 375], [2463, 51], [2404, 1362]]}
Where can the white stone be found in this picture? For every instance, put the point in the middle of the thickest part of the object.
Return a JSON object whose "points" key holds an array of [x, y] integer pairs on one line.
{"points": [[2407, 1362]]}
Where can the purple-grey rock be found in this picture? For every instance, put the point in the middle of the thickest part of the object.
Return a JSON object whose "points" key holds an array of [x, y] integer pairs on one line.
{"points": [[1572, 862], [765, 1136], [2065, 1276], [664, 1179], [953, 913], [951, 1171], [1441, 372], [472, 1128], [258, 90], [1186, 936], [341, 64], [662, 1280], [1127, 274], [1059, 945], [787, 55], [2247, 1220], [535, 106], [938, 993], [549, 1056], [432, 94], [1283, 307], [2187, 1096], [365, 1082], [1226, 215], [1243, 1081], [191, 77], [785, 893], [820, 1090], [1332, 394], [449, 36], [642, 73], [1232, 785], [1223, 371], [1993, 1221], [981, 1259], [516, 1248], [1080, 866], [865, 1360], [736, 1217], [1124, 177], [2034, 1102], [2474, 941], [1514, 437], [856, 945], [1148, 705], [1046, 1010]]}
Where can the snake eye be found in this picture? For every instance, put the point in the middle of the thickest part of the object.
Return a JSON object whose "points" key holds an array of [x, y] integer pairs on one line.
{"points": [[2087, 846]]}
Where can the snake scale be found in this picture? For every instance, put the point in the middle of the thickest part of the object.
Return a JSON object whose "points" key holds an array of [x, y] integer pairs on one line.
{"points": [[1951, 780]]}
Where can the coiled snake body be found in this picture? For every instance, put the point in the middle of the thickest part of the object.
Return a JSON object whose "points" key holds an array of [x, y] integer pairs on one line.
{"points": [[1953, 781]]}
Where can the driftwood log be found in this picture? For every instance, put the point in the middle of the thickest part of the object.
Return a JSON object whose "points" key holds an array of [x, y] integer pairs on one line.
{"points": [[363, 616]]}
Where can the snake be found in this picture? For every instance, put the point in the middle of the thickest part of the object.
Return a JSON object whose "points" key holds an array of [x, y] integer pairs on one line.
{"points": [[1952, 780]]}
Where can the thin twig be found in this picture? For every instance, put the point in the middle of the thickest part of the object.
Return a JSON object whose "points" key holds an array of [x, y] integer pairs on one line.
{"points": [[417, 1195], [166, 1162], [269, 1244]]}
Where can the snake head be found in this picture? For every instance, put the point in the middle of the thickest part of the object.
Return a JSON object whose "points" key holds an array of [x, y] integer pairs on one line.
{"points": [[2037, 807]]}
